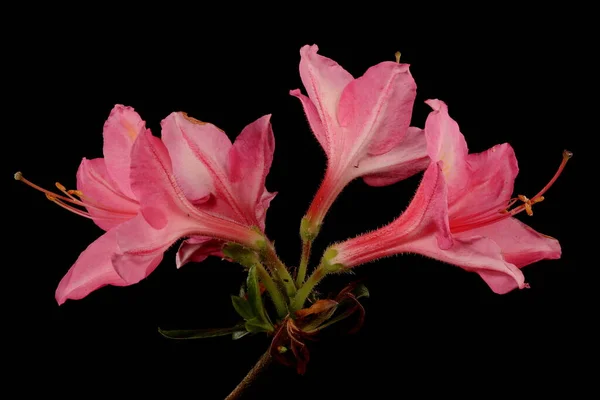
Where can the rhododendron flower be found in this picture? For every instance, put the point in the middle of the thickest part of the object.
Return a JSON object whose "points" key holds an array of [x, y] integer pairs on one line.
{"points": [[166, 214], [104, 189], [134, 196], [460, 213], [362, 124], [218, 176]]}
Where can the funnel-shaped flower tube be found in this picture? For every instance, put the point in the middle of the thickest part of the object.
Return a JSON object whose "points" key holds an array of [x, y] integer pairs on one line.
{"points": [[461, 213], [218, 176], [362, 125]]}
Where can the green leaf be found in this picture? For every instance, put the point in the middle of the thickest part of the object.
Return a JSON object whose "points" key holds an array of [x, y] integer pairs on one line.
{"points": [[243, 307], [200, 333], [360, 291], [258, 325], [254, 297], [239, 334]]}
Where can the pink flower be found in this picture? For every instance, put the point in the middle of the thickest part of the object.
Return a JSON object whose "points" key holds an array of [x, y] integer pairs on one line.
{"points": [[166, 215], [134, 195], [218, 176], [103, 188], [460, 213], [362, 124]]}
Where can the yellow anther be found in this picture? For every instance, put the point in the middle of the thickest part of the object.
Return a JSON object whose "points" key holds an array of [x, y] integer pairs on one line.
{"points": [[60, 187], [50, 197], [529, 203], [537, 200], [18, 176], [77, 193], [397, 56]]}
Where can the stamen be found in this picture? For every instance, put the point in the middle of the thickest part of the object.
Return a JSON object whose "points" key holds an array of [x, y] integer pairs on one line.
{"points": [[397, 54], [63, 201], [77, 193], [64, 190], [482, 218], [501, 207], [566, 157], [527, 204]]}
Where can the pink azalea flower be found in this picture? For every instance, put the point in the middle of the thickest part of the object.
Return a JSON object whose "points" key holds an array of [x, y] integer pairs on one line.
{"points": [[362, 124], [218, 176], [133, 194], [166, 215], [104, 190], [461, 213]]}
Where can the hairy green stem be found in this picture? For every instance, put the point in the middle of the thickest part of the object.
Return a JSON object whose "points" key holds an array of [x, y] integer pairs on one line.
{"points": [[308, 287], [276, 296], [274, 263], [306, 245]]}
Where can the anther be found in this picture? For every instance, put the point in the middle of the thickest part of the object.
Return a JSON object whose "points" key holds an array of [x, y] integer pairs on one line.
{"points": [[77, 193], [397, 55], [18, 176]]}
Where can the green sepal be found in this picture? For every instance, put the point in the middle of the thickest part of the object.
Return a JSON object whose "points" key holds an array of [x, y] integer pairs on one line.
{"points": [[200, 333], [329, 254], [240, 254], [257, 325], [255, 299], [308, 231]]}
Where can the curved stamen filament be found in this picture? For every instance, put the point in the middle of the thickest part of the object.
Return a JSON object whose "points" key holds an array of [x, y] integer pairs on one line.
{"points": [[501, 207], [63, 201], [481, 219]]}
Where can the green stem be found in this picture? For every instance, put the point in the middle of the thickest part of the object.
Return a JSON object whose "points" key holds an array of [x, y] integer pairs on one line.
{"points": [[274, 263], [308, 287], [306, 245], [276, 296]]}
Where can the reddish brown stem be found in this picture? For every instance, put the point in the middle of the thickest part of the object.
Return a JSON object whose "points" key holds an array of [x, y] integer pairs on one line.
{"points": [[261, 365]]}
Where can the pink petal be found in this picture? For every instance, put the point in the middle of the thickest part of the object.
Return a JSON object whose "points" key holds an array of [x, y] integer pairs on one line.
{"points": [[520, 245], [166, 214], [197, 249], [92, 270], [262, 206], [98, 188], [445, 143], [475, 254], [324, 80], [120, 132], [199, 153], [250, 159], [406, 159], [489, 180], [376, 108], [200, 163], [141, 247], [314, 120], [426, 215]]}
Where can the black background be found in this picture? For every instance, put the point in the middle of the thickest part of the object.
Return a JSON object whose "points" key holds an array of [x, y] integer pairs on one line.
{"points": [[430, 327]]}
